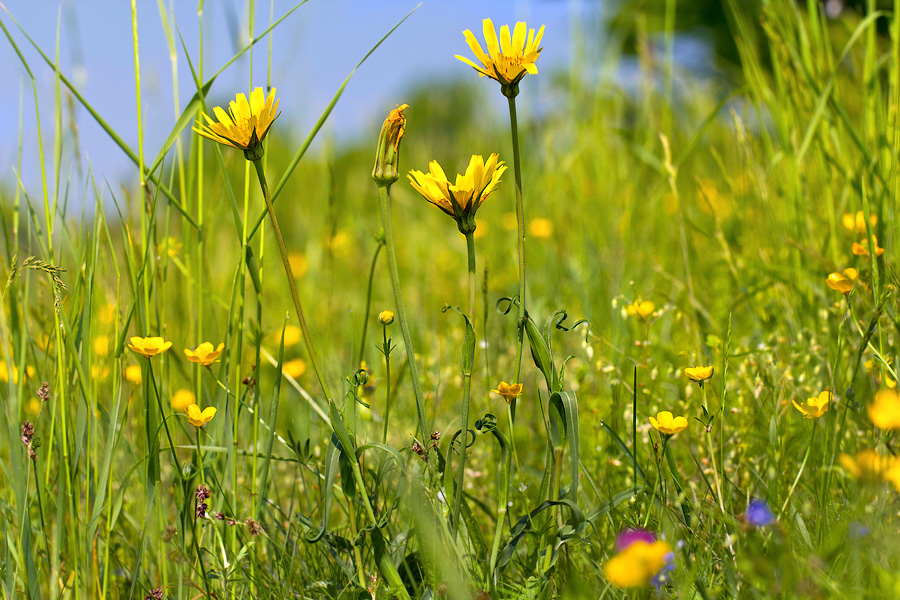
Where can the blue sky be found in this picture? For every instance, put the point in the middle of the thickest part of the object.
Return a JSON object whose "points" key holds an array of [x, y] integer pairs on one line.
{"points": [[313, 51]]}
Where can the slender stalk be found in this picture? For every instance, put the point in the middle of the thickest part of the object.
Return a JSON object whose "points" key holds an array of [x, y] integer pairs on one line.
{"points": [[386, 347], [260, 172], [800, 472], [384, 195], [468, 364], [362, 341], [510, 92]]}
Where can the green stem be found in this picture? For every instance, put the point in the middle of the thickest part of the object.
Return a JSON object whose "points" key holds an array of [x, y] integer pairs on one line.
{"points": [[468, 364], [260, 172], [800, 472], [362, 341], [384, 195], [386, 347], [510, 92]]}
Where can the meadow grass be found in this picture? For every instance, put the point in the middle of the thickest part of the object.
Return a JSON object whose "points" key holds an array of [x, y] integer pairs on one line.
{"points": [[674, 223]]}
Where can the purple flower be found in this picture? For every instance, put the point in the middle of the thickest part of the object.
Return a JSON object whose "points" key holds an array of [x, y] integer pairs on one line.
{"points": [[630, 536], [759, 513]]}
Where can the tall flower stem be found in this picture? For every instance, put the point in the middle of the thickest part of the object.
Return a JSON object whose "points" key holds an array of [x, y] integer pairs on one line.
{"points": [[468, 365], [362, 341], [386, 349], [261, 174], [511, 91], [384, 195]]}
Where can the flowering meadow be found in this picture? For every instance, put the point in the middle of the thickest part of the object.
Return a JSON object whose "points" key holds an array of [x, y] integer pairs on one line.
{"points": [[639, 341]]}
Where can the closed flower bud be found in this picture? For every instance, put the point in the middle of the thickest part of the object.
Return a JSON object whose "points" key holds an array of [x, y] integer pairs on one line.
{"points": [[387, 156], [385, 317]]}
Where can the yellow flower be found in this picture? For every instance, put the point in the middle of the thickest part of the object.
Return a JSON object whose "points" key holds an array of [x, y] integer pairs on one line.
{"points": [[815, 407], [299, 264], [640, 308], [637, 564], [508, 61], [199, 418], [387, 155], [868, 467], [4, 372], [858, 223], [101, 345], [204, 354], [699, 374], [98, 372], [245, 125], [150, 346], [540, 228], [509, 391], [183, 399], [294, 368], [385, 317], [668, 424], [862, 248], [133, 373], [462, 199], [843, 282], [884, 412]]}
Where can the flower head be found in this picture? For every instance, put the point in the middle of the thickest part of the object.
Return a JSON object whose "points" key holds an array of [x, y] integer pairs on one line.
{"points": [[462, 199], [386, 317], [815, 407], [843, 282], [509, 391], [668, 424], [387, 156], [699, 374], [862, 248], [149, 347], [638, 563], [245, 125], [759, 513], [182, 399], [858, 223], [199, 418], [640, 308], [294, 368], [884, 412], [870, 468], [204, 354], [133, 373], [510, 60]]}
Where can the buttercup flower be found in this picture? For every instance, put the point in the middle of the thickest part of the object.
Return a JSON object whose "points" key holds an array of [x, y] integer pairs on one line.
{"points": [[462, 199], [699, 374], [510, 60], [862, 248], [385, 317], [666, 423], [637, 564], [101, 345], [150, 346], [199, 418], [387, 156], [183, 399], [858, 223], [294, 368], [843, 282], [884, 412], [813, 408], [640, 308], [133, 373], [245, 125], [509, 391], [870, 468], [204, 354]]}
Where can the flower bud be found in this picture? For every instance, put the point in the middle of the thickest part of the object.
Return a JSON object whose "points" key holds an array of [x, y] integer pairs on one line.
{"points": [[387, 156], [385, 317]]}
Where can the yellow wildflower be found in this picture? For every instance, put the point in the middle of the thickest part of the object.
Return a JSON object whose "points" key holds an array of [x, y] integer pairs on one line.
{"points": [[245, 125], [640, 308], [387, 155], [199, 418], [858, 223], [386, 317], [666, 423], [699, 374], [133, 373], [637, 564], [540, 228], [843, 282], [868, 467], [862, 248], [509, 391], [462, 199], [182, 399], [101, 345], [294, 368], [150, 346], [204, 354], [510, 60], [815, 407], [884, 412]]}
